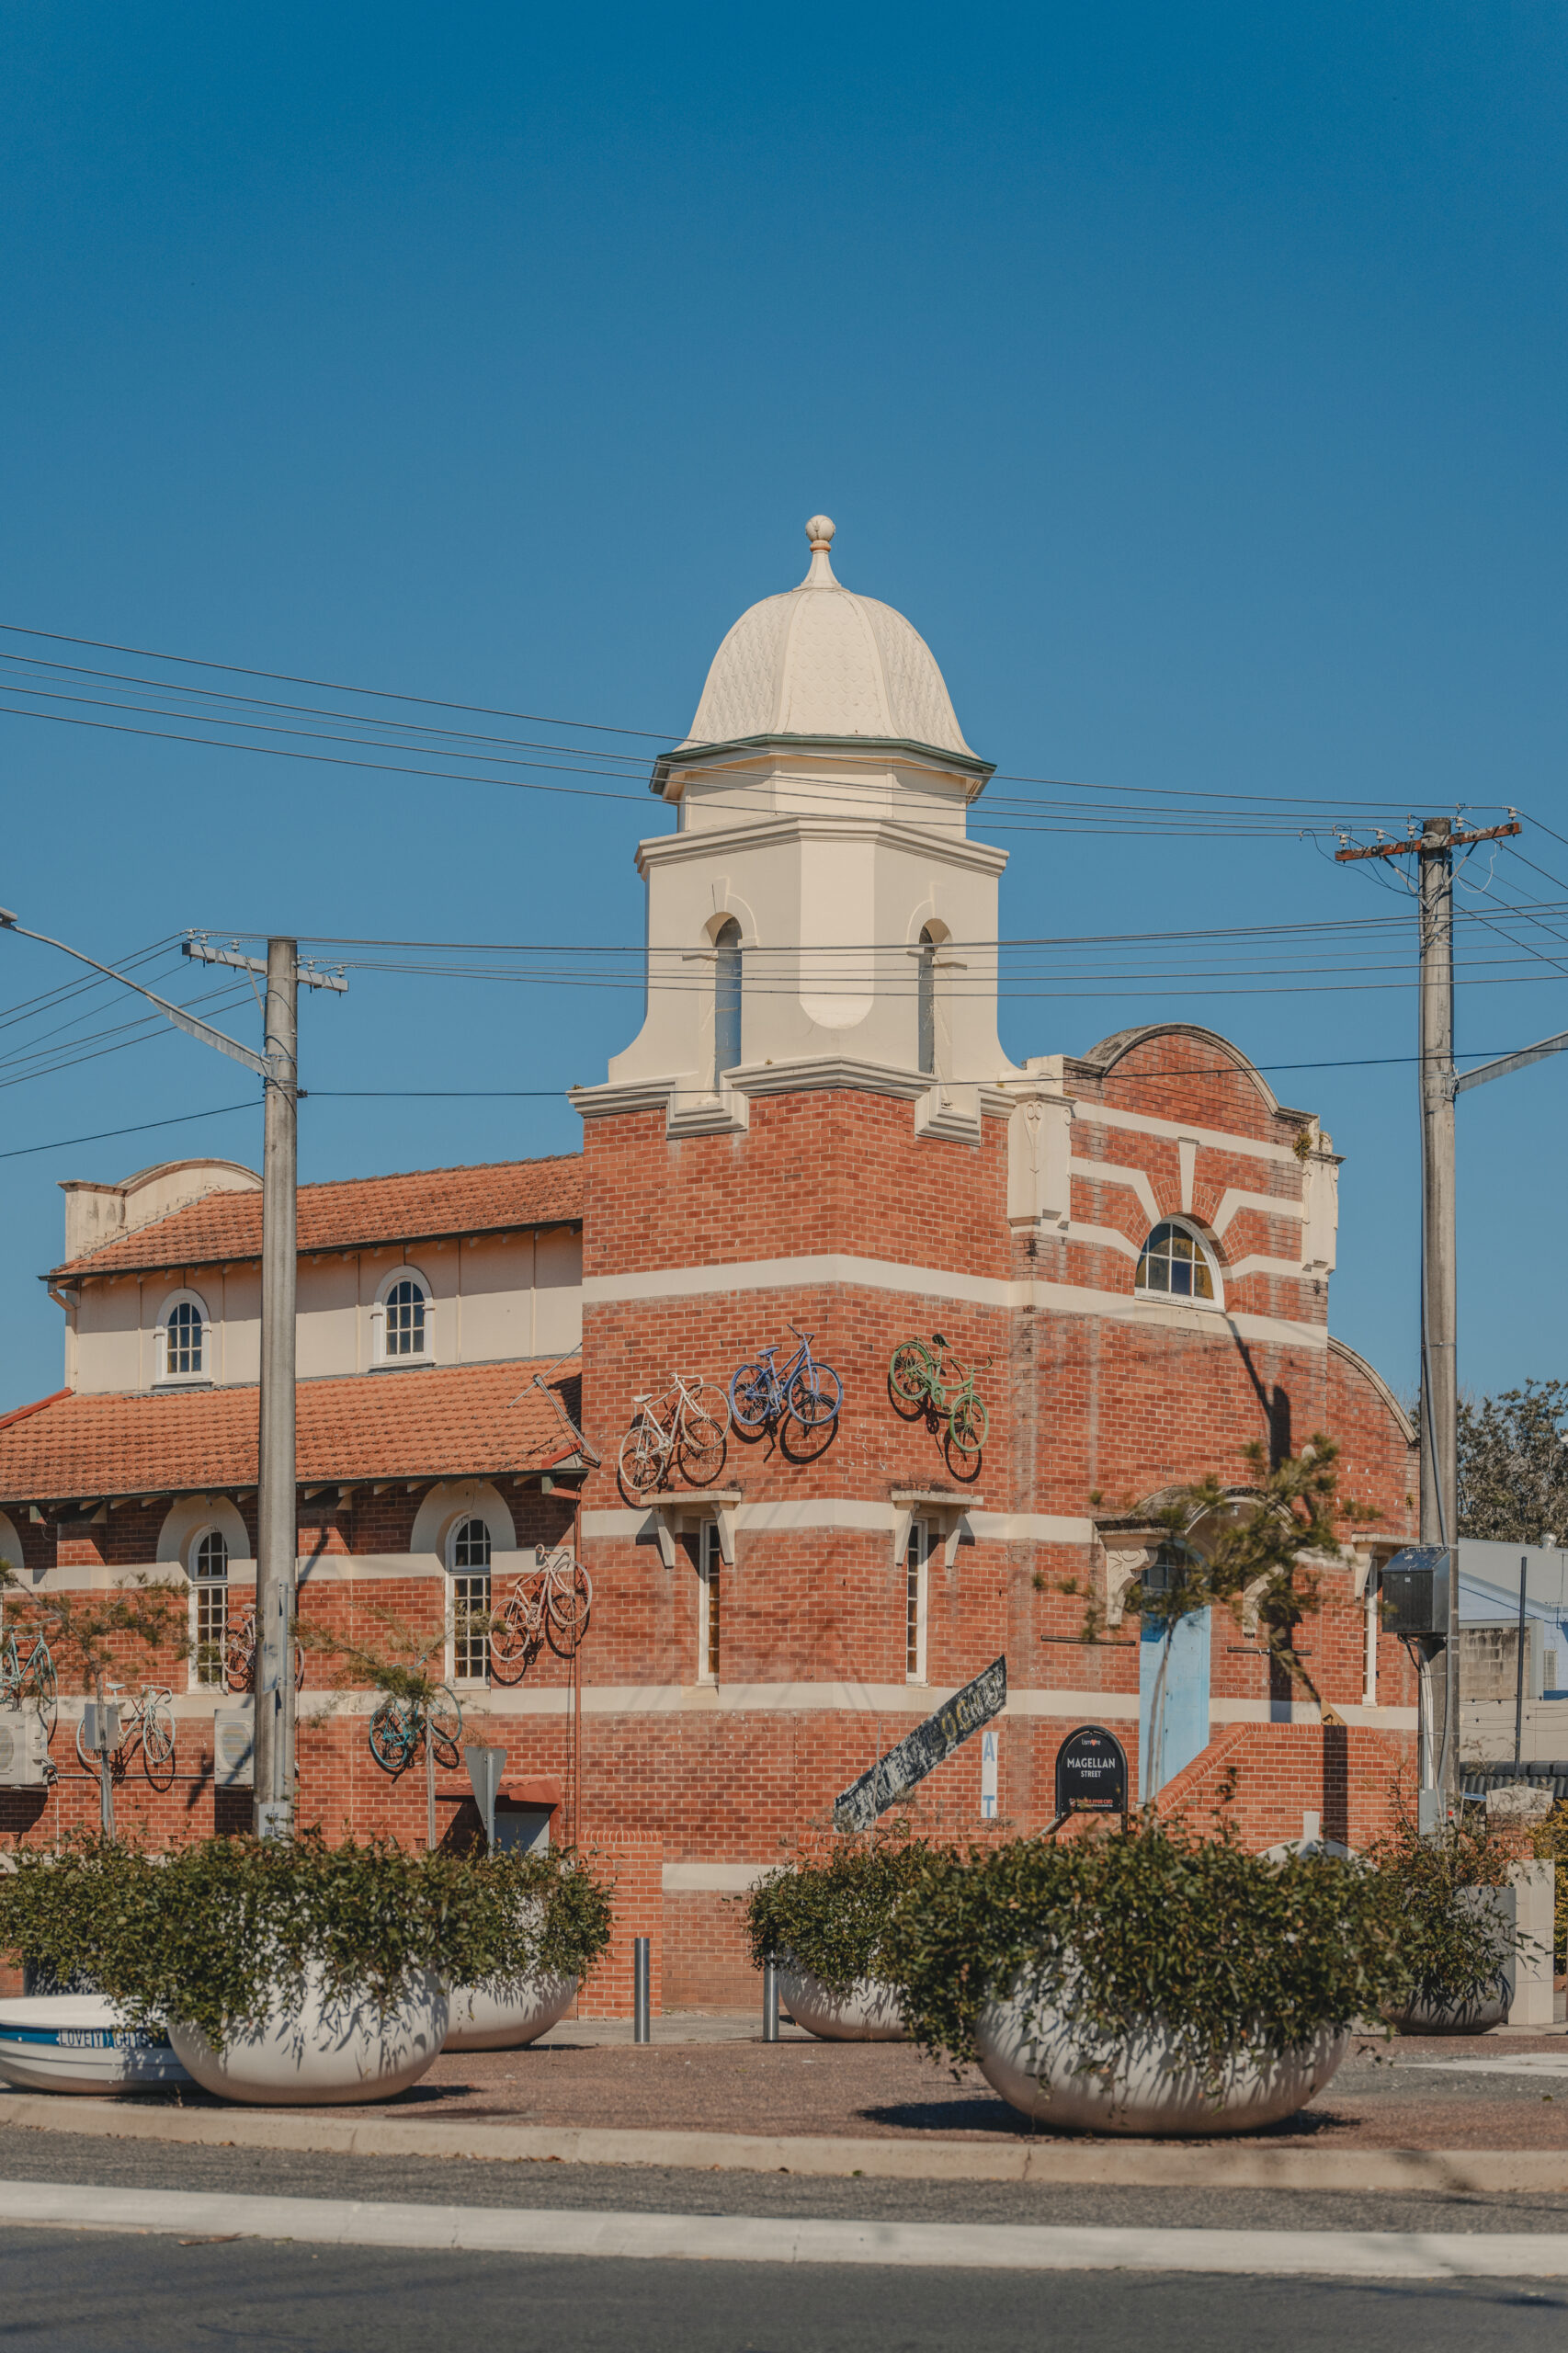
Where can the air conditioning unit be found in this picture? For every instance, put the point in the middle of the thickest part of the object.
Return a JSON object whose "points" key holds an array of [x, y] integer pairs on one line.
{"points": [[233, 1752], [24, 1749]]}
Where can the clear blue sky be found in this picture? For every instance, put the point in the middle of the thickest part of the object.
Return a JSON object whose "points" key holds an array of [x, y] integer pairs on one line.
{"points": [[1193, 377]]}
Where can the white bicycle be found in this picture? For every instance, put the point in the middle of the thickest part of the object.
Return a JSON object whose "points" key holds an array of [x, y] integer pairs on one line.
{"points": [[685, 1427]]}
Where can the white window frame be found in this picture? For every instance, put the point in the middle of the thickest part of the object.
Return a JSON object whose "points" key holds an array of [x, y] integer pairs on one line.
{"points": [[1214, 1306], [388, 1283], [469, 1682], [710, 1603], [196, 1680], [162, 1377], [917, 1595]]}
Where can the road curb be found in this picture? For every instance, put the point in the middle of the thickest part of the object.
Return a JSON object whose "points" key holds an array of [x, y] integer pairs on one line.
{"points": [[1237, 2165]]}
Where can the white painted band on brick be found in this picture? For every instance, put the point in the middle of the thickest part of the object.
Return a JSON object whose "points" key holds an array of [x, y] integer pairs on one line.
{"points": [[848, 1513], [737, 2238], [1304, 1712], [729, 1878], [932, 1282], [1145, 1123]]}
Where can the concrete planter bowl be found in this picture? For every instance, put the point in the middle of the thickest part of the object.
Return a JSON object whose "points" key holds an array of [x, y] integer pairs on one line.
{"points": [[869, 2012], [75, 2042], [1475, 2016], [1035, 2056], [315, 2051], [485, 2018]]}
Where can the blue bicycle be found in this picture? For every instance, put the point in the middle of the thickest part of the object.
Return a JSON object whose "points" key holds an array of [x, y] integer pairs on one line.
{"points": [[761, 1396]]}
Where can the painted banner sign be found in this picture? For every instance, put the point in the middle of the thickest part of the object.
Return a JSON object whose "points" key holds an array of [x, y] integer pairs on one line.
{"points": [[1091, 1772], [929, 1745]]}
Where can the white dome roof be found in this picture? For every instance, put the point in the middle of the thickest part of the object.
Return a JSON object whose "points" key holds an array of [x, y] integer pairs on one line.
{"points": [[822, 660]]}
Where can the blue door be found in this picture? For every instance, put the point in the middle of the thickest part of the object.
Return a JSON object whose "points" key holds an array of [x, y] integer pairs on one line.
{"points": [[1173, 1722]]}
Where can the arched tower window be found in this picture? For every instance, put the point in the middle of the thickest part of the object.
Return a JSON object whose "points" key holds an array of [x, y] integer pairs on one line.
{"points": [[1176, 1264], [927, 1002], [726, 999], [402, 1320], [181, 1344]]}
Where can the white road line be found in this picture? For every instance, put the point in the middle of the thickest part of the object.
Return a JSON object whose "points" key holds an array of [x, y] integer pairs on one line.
{"points": [[743, 2238]]}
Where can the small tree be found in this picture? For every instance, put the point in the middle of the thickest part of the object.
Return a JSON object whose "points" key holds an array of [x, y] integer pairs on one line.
{"points": [[1514, 1464], [87, 1632], [1258, 1552], [394, 1660]]}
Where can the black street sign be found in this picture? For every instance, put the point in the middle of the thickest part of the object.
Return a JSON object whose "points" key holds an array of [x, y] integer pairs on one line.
{"points": [[1091, 1773], [929, 1745]]}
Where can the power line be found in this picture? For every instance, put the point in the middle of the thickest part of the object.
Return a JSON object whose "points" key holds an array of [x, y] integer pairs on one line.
{"points": [[183, 1119]]}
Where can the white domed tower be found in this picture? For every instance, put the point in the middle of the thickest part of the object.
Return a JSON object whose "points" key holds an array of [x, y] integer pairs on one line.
{"points": [[820, 916]]}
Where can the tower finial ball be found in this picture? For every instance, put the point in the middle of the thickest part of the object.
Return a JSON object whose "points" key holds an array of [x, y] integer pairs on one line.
{"points": [[820, 530]]}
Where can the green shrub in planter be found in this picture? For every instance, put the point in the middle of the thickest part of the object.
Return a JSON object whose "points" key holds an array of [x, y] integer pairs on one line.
{"points": [[208, 1934], [1452, 1949], [832, 1919], [1226, 1951]]}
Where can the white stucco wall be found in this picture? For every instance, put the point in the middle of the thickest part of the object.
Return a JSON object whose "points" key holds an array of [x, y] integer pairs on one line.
{"points": [[515, 1295]]}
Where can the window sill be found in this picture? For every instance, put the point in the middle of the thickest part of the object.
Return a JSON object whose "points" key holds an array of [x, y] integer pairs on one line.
{"points": [[1179, 1299], [185, 1380], [404, 1364]]}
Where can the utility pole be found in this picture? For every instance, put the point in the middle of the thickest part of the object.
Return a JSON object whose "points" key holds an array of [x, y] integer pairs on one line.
{"points": [[276, 1532], [277, 1542], [1434, 849]]}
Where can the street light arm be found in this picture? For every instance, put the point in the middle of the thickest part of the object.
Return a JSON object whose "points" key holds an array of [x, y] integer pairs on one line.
{"points": [[1505, 1063], [200, 1031]]}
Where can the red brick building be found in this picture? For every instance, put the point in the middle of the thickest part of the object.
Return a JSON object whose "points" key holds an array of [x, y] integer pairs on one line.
{"points": [[816, 1127]]}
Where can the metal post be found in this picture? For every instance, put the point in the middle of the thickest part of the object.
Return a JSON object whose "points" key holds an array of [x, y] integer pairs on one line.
{"points": [[1524, 1570], [771, 2000], [278, 1529], [642, 2019], [1439, 1373]]}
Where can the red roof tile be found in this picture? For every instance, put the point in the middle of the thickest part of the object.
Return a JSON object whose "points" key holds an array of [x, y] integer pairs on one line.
{"points": [[361, 1210], [441, 1422]]}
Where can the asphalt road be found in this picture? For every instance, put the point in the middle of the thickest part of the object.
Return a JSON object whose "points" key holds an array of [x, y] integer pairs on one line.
{"points": [[95, 2294]]}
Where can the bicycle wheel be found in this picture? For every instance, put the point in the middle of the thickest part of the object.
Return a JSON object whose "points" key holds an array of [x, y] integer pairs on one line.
{"points": [[46, 1691], [967, 1424], [239, 1652], [709, 1398], [642, 1459], [912, 1375], [751, 1396], [815, 1396], [703, 1445], [571, 1598], [510, 1632], [157, 1739], [444, 1726], [391, 1744]]}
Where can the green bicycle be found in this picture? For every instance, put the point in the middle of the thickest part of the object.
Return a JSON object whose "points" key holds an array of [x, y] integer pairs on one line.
{"points": [[926, 1377]]}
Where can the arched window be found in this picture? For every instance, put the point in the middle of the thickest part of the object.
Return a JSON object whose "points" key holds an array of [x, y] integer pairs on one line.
{"points": [[402, 1321], [181, 1351], [927, 1002], [209, 1600], [468, 1557], [726, 999], [1176, 1264]]}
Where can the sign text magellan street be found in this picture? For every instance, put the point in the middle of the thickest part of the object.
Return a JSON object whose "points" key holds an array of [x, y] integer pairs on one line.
{"points": [[929, 1745]]}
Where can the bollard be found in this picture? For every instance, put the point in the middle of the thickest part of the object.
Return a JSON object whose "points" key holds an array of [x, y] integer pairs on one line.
{"points": [[641, 2024], [771, 2000]]}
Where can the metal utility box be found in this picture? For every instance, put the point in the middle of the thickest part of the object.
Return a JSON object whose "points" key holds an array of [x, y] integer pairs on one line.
{"points": [[1413, 1590], [100, 1726], [234, 1751], [24, 1749]]}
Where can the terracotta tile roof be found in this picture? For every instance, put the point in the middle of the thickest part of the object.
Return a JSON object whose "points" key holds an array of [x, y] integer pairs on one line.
{"points": [[362, 1209], [444, 1422]]}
